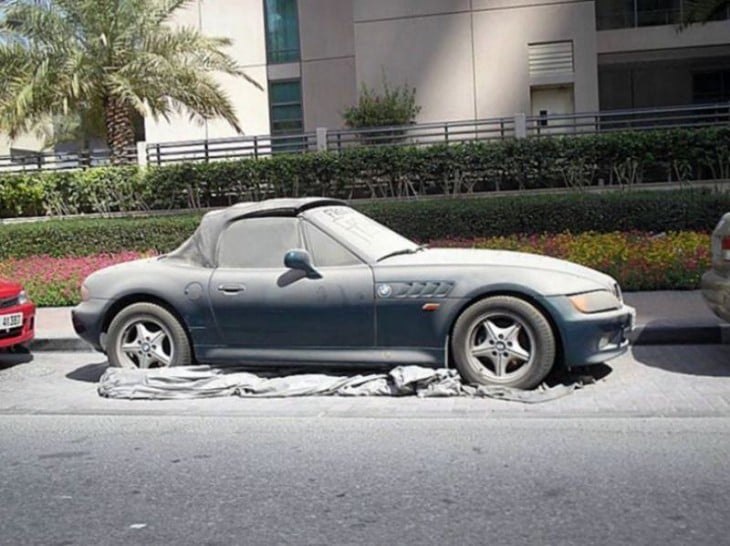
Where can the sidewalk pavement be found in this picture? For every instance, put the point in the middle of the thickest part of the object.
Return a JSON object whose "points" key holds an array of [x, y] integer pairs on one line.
{"points": [[663, 318]]}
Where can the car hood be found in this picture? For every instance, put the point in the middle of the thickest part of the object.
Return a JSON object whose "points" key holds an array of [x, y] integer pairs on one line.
{"points": [[9, 288], [497, 258]]}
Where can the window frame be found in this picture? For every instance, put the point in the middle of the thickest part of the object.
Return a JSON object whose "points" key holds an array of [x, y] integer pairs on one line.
{"points": [[273, 105], [270, 57]]}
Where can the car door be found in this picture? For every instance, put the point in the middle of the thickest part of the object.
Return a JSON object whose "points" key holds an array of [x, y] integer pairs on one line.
{"points": [[260, 304]]}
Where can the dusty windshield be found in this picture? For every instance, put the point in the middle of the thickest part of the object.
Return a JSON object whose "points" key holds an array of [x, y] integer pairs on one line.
{"points": [[362, 234]]}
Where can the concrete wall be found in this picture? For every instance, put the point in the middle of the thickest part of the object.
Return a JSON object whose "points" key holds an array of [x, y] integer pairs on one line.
{"points": [[662, 37], [243, 22], [431, 52], [470, 59], [327, 61], [502, 33]]}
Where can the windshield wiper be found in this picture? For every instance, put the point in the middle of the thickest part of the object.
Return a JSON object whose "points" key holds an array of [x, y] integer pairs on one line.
{"points": [[403, 251]]}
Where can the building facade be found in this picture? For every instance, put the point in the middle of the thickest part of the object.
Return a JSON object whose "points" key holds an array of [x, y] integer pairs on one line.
{"points": [[467, 59]]}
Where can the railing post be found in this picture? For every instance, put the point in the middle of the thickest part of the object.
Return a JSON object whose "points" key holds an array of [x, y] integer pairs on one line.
{"points": [[205, 150], [520, 125], [159, 157], [321, 139], [339, 141], [142, 153]]}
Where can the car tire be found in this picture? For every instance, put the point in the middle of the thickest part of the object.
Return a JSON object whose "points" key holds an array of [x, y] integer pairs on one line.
{"points": [[146, 335], [503, 341]]}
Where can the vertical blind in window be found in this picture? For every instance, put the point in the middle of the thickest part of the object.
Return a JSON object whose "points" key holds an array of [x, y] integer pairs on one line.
{"points": [[282, 31]]}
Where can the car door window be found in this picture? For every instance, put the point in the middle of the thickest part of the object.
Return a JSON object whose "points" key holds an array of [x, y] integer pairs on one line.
{"points": [[325, 251], [258, 242]]}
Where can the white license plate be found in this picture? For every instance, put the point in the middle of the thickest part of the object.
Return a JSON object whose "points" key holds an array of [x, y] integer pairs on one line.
{"points": [[11, 321]]}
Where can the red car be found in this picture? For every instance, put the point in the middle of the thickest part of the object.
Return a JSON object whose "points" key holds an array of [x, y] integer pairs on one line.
{"points": [[17, 315]]}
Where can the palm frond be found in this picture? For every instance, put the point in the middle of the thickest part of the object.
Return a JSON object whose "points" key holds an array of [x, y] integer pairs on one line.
{"points": [[702, 11]]}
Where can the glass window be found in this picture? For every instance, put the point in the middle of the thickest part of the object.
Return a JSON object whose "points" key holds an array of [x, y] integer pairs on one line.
{"points": [[711, 87], [363, 234], [325, 251], [258, 242], [286, 107], [282, 31]]}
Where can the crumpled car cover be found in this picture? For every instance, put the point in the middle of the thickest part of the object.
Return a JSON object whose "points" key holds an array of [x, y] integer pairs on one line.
{"points": [[210, 382]]}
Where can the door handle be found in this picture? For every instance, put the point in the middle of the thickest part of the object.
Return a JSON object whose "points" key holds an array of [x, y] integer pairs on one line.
{"points": [[231, 288]]}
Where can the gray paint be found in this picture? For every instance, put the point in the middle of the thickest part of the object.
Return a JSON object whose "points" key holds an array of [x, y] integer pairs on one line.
{"points": [[282, 316]]}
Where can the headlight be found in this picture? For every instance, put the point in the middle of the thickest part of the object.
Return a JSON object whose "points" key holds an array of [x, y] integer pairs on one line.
{"points": [[595, 302], [617, 292], [22, 297]]}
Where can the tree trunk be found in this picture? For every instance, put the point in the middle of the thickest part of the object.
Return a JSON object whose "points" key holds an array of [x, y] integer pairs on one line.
{"points": [[119, 131]]}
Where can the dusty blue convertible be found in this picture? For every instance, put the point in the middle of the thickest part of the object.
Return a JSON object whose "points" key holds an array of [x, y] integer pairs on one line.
{"points": [[313, 281]]}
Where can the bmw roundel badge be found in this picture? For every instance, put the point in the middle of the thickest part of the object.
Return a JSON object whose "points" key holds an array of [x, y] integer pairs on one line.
{"points": [[384, 290]]}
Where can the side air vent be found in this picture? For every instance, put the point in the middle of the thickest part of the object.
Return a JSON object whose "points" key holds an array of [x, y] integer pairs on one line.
{"points": [[419, 289]]}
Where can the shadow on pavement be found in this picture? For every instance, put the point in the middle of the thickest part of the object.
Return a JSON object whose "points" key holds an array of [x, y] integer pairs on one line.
{"points": [[703, 360], [14, 356], [583, 374], [91, 373]]}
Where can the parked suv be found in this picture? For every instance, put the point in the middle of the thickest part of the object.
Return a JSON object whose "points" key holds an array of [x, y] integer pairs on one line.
{"points": [[716, 282]]}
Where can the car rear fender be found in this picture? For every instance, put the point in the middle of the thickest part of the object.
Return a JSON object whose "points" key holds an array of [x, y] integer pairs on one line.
{"points": [[138, 297]]}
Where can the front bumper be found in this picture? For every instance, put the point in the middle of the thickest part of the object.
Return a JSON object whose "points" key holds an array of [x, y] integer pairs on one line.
{"points": [[716, 292], [591, 338], [87, 319], [23, 333]]}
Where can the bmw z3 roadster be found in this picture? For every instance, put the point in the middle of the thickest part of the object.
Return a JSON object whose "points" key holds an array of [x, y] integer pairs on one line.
{"points": [[313, 281]]}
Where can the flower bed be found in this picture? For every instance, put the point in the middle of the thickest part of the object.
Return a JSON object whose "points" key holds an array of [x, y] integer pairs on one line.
{"points": [[53, 282], [639, 261]]}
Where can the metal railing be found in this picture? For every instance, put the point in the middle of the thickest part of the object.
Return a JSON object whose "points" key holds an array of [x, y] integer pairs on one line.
{"points": [[416, 135], [610, 17], [630, 120], [22, 161], [222, 149], [422, 134]]}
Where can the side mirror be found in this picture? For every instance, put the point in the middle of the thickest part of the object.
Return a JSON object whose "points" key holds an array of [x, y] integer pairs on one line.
{"points": [[301, 260]]}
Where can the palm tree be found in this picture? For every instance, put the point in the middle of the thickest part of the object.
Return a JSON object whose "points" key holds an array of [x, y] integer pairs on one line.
{"points": [[702, 11], [104, 60]]}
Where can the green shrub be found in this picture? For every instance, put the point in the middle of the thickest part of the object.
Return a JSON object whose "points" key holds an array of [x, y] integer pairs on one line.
{"points": [[394, 106], [613, 160], [652, 212], [422, 220], [85, 237]]}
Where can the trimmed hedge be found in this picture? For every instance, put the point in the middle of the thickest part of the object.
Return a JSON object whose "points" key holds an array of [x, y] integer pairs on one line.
{"points": [[422, 220], [85, 237], [622, 159]]}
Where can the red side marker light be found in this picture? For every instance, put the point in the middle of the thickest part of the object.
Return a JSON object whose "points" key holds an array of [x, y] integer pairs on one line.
{"points": [[431, 306], [726, 248]]}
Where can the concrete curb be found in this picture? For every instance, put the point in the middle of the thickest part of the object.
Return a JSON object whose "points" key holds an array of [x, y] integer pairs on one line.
{"points": [[687, 335], [60, 344]]}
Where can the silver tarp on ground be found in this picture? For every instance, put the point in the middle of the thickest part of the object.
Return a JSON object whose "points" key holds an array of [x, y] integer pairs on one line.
{"points": [[209, 382]]}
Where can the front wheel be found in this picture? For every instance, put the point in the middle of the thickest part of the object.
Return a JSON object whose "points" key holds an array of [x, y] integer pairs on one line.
{"points": [[505, 341], [145, 335]]}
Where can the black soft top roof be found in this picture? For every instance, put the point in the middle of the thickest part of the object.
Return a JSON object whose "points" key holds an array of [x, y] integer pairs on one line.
{"points": [[200, 248]]}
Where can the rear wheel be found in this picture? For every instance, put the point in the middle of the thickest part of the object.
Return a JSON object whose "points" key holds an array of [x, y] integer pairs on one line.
{"points": [[146, 335], [503, 340]]}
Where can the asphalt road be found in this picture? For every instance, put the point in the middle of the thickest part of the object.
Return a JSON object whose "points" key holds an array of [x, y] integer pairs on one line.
{"points": [[237, 480], [640, 457]]}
